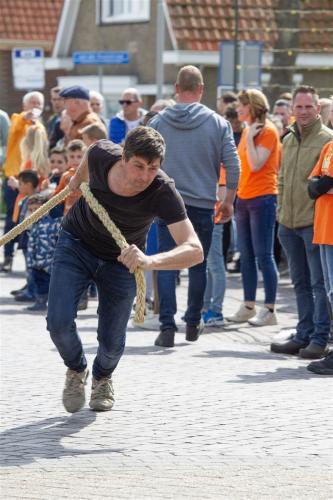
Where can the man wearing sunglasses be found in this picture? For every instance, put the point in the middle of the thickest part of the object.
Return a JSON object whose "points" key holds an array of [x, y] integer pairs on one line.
{"points": [[129, 117]]}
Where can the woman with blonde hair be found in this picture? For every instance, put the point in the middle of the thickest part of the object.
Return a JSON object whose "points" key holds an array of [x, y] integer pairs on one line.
{"points": [[34, 150], [259, 152]]}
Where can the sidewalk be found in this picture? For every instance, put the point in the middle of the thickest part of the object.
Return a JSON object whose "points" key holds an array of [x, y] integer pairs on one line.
{"points": [[222, 418]]}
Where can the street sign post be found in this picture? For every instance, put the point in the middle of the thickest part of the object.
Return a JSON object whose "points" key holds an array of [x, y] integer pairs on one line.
{"points": [[100, 59], [28, 68]]}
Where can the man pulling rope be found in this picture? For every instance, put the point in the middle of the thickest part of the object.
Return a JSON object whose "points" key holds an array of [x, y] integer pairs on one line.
{"points": [[129, 186]]}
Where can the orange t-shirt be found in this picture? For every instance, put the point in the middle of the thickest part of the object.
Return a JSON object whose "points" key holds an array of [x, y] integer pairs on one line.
{"points": [[253, 184], [73, 196], [323, 218]]}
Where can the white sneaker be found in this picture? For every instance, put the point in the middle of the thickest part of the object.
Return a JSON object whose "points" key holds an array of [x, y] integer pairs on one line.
{"points": [[264, 318], [243, 314]]}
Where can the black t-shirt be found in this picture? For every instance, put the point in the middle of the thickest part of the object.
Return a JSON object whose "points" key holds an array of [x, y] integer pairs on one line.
{"points": [[133, 215]]}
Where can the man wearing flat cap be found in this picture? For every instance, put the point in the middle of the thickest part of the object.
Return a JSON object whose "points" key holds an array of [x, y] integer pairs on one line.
{"points": [[79, 110]]}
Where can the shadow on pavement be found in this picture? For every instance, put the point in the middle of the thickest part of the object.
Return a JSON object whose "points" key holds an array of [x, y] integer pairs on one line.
{"points": [[139, 350], [239, 354], [300, 373], [23, 445]]}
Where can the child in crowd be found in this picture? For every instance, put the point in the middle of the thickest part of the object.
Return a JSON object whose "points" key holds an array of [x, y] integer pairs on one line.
{"points": [[93, 133], [58, 166], [216, 283], [27, 186], [74, 152], [41, 244]]}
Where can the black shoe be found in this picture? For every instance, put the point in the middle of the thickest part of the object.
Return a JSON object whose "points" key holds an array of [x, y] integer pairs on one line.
{"points": [[24, 297], [166, 338], [193, 332], [323, 367], [7, 265], [21, 290], [289, 347], [313, 351]]}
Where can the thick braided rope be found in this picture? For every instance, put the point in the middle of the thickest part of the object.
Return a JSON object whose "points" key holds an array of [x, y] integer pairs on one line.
{"points": [[122, 243], [35, 216], [105, 219]]}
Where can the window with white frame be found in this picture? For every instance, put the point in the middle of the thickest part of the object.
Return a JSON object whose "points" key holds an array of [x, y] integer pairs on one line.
{"points": [[121, 11]]}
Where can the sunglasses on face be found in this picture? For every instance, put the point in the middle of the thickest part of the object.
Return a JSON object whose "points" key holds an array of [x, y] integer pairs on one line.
{"points": [[126, 101]]}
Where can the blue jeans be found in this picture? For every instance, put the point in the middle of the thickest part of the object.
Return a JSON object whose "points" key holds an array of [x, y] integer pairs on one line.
{"points": [[215, 286], [73, 268], [255, 220], [9, 196], [326, 255], [307, 277], [42, 281], [202, 220]]}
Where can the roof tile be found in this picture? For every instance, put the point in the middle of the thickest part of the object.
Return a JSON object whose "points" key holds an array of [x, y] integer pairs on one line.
{"points": [[257, 21], [30, 19]]}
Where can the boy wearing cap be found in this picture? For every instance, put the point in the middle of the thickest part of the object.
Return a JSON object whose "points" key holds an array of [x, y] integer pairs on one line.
{"points": [[78, 107]]}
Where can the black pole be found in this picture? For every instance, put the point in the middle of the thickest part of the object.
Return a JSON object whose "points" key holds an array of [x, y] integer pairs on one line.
{"points": [[236, 55]]}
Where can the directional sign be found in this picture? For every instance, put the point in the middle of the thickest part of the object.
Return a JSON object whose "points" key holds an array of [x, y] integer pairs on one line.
{"points": [[100, 57], [28, 68]]}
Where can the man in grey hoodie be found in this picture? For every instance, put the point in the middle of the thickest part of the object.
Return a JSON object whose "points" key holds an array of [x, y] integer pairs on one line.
{"points": [[197, 140]]}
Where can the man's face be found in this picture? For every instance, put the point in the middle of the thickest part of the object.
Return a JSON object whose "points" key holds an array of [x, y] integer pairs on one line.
{"points": [[139, 174], [130, 105], [75, 107], [32, 103], [74, 158], [57, 102], [284, 113], [305, 108], [57, 163]]}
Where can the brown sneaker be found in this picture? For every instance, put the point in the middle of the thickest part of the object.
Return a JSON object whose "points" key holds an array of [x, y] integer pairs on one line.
{"points": [[73, 396], [313, 351], [102, 395]]}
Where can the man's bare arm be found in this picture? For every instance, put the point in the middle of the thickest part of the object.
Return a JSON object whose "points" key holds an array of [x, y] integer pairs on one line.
{"points": [[187, 253]]}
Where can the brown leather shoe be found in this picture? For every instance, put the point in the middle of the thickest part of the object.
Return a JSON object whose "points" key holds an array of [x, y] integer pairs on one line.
{"points": [[193, 332], [313, 351], [289, 347]]}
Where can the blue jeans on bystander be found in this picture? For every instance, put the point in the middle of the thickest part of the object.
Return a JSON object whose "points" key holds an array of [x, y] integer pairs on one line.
{"points": [[255, 218], [216, 282], [307, 277], [202, 220], [74, 266], [326, 255]]}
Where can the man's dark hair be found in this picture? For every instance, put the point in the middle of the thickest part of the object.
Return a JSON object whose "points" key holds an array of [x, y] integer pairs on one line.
{"points": [[229, 97], [231, 111], [56, 89], [28, 176], [144, 142], [306, 89]]}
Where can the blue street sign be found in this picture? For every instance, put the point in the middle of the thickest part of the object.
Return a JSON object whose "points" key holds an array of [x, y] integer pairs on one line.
{"points": [[100, 57]]}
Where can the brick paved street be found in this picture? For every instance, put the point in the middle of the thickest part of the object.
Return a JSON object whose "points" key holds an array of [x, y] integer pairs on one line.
{"points": [[221, 418]]}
